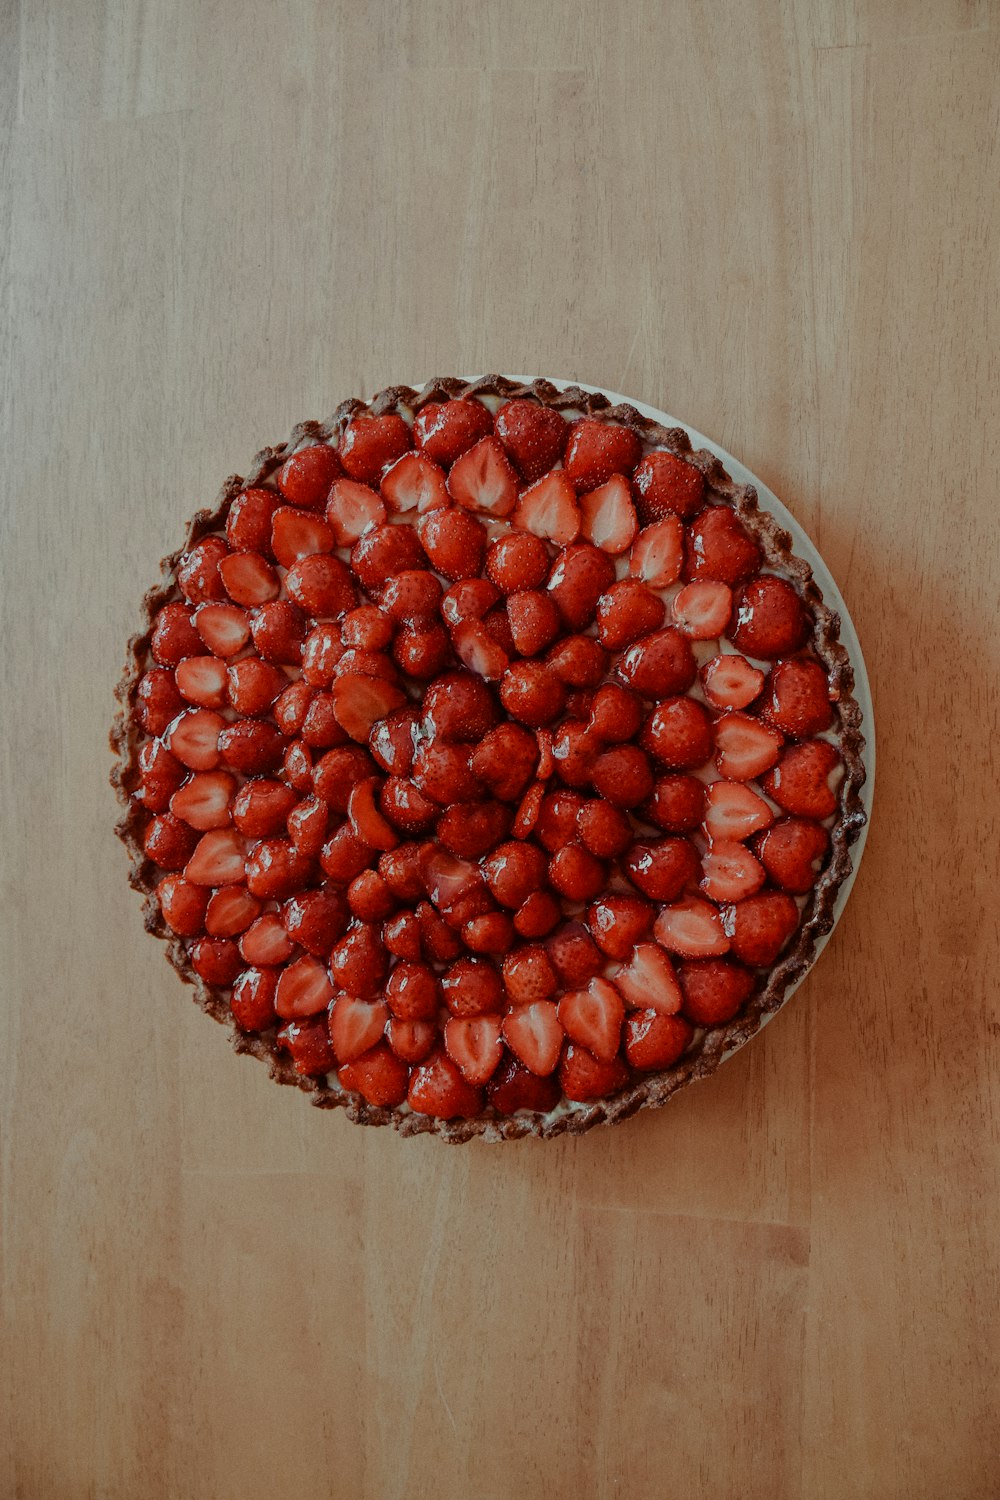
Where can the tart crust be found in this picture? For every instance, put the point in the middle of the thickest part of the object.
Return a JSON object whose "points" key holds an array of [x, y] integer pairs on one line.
{"points": [[646, 1091]]}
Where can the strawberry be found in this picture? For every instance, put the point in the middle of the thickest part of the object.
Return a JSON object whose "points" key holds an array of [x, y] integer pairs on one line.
{"points": [[459, 706], [442, 772], [626, 611], [513, 871], [659, 664], [249, 578], [356, 1026], [215, 960], [352, 510], [715, 990], [469, 599], [183, 905], [414, 483], [401, 935], [309, 1044], [574, 955], [667, 485], [370, 444], [369, 898], [744, 747], [438, 1088], [691, 928], [798, 698], [252, 1000], [337, 772], [321, 586], [532, 693], [556, 825], [359, 964], [537, 916], [306, 477], [731, 682], [549, 510], [789, 852], [474, 1044], [366, 628], [157, 700], [198, 576], [224, 628], [648, 980], [278, 631], [161, 775], [412, 594], [677, 804], [730, 871], [307, 825], [296, 533], [800, 782], [534, 436], [605, 830], [472, 987], [359, 702], [253, 685], [275, 868], [657, 553], [733, 811], [174, 636], [497, 626], [719, 547], [322, 653], [678, 733], [444, 430], [315, 920], [617, 922], [607, 516], [527, 813], [365, 818], [266, 942], [702, 609], [384, 551], [411, 1041], [406, 807], [505, 760], [533, 1034], [653, 1041], [576, 873], [482, 480], [491, 933], [580, 575], [584, 1077], [251, 746], [379, 1076], [528, 975], [445, 878], [344, 855], [248, 524], [578, 660], [622, 776], [217, 860], [455, 542], [204, 800], [364, 663], [662, 868], [593, 1017], [478, 651], [202, 680], [320, 729], [391, 740], [769, 618], [513, 1087], [230, 911], [193, 737], [596, 450], [615, 714], [534, 621], [758, 927]]}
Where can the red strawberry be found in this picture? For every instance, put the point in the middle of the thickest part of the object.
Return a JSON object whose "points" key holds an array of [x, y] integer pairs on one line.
{"points": [[574, 752], [593, 1017], [248, 524], [230, 911], [730, 871], [359, 964], [537, 916], [411, 1040], [275, 868], [715, 989], [576, 873], [719, 547], [406, 807], [733, 811], [678, 733], [513, 871], [193, 738], [157, 700], [198, 575], [315, 920], [369, 898], [474, 1044], [360, 701], [366, 820], [384, 551], [626, 611], [442, 772], [412, 594], [605, 830], [578, 661], [691, 928], [574, 955], [534, 621], [249, 578], [744, 747], [659, 665], [422, 649], [527, 813], [505, 760], [472, 987], [584, 1077], [309, 1044], [460, 707], [657, 553], [556, 825], [296, 533], [760, 926], [469, 599], [202, 680], [455, 542], [414, 483], [477, 650], [447, 879], [215, 960], [356, 1026], [491, 933], [798, 698], [183, 905], [337, 773], [653, 1041], [278, 631], [174, 635], [677, 804], [800, 782], [549, 510], [161, 774], [320, 729], [661, 868], [598, 449], [618, 922], [607, 516], [514, 1087], [648, 980], [528, 975], [344, 855], [204, 800], [438, 1088], [366, 628], [379, 1076], [616, 713], [769, 618], [482, 480], [789, 851], [533, 1034], [391, 740], [666, 485], [702, 609], [321, 654], [731, 682], [532, 693], [370, 444], [252, 1000], [534, 436], [353, 509], [622, 776], [217, 860], [444, 430], [321, 585], [306, 477], [266, 942], [223, 627], [497, 626], [580, 575], [251, 746], [253, 685]]}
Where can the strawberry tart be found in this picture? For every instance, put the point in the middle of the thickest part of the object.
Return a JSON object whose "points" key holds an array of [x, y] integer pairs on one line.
{"points": [[488, 761]]}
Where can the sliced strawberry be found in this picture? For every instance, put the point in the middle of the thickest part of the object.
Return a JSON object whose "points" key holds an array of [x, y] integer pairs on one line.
{"points": [[800, 782], [744, 747], [224, 628], [691, 928], [248, 524], [658, 552], [366, 820], [790, 852], [528, 810], [157, 700], [514, 1087], [252, 1000], [309, 1045], [769, 618], [760, 926], [653, 1041], [505, 760], [607, 516], [733, 811], [618, 922], [266, 942], [370, 444], [198, 576], [249, 578], [477, 650], [183, 905], [306, 477], [715, 990], [275, 869], [534, 621], [474, 1044], [661, 868], [304, 989], [444, 430], [798, 698], [534, 436], [261, 807], [414, 483], [667, 485], [193, 738], [411, 1040], [359, 702], [217, 860], [438, 1088], [482, 480], [296, 533], [598, 449], [174, 635], [730, 871], [356, 1025], [702, 609], [659, 665], [446, 878], [533, 1033], [731, 682], [594, 1018], [585, 1077], [678, 733], [648, 980], [549, 510], [204, 800], [231, 911], [455, 542], [353, 509], [379, 1076], [719, 547]]}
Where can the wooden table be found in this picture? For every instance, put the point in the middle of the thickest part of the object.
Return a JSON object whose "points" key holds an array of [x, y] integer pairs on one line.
{"points": [[778, 222]]}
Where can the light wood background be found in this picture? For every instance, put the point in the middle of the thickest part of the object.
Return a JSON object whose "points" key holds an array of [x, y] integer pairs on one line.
{"points": [[779, 221]]}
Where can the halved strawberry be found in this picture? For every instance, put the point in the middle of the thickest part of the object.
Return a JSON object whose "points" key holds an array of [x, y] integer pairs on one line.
{"points": [[183, 905], [691, 928], [744, 747], [800, 782], [789, 852], [658, 552], [720, 547], [370, 444], [224, 628], [414, 483], [715, 989], [194, 738], [585, 1077], [760, 926], [549, 510], [249, 578], [353, 509], [306, 477], [477, 650], [596, 450], [769, 618], [304, 989], [438, 1088], [446, 878], [161, 774], [661, 868], [356, 1025], [379, 1076], [444, 430], [231, 911], [252, 1000], [533, 1033], [594, 1017], [297, 533], [653, 1041], [474, 1043], [733, 811], [607, 516], [730, 681], [366, 820], [648, 980], [204, 801], [174, 635], [533, 435], [667, 485], [483, 480], [730, 871], [411, 1040], [315, 919], [702, 609], [217, 860], [359, 702], [265, 942]]}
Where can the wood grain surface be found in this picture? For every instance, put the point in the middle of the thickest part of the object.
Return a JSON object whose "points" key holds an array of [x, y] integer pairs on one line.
{"points": [[779, 222]]}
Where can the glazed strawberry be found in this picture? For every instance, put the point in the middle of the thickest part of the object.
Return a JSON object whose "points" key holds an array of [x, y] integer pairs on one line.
{"points": [[406, 807], [353, 509], [580, 575], [607, 516], [365, 818], [616, 714], [534, 436], [249, 579], [574, 955], [278, 631], [193, 737], [730, 871], [491, 933], [438, 1088], [366, 628], [411, 1041], [401, 936], [266, 942], [626, 611], [798, 698], [363, 663], [413, 482], [230, 911], [384, 551], [402, 871], [306, 477], [369, 898], [596, 450], [532, 693], [161, 775], [593, 1017], [528, 975], [769, 618], [215, 960], [370, 444], [548, 510], [274, 868], [252, 685], [204, 801], [731, 682], [719, 547], [296, 534], [745, 747], [662, 868], [413, 992], [659, 665], [584, 1077], [183, 905], [618, 922], [733, 811], [360, 701], [497, 626], [576, 873], [648, 980], [789, 852], [537, 916], [174, 636], [534, 621], [622, 776], [315, 920], [248, 524], [378, 1076], [534, 1035], [513, 871], [469, 599], [224, 628], [556, 824], [444, 430], [759, 926], [678, 733], [252, 1000], [251, 746], [528, 811], [198, 576], [665, 485], [715, 990], [358, 963], [307, 826], [337, 772], [474, 1044], [652, 1041], [412, 594], [472, 987], [322, 653], [657, 553], [702, 609], [482, 480], [217, 859], [605, 830], [455, 542], [321, 585], [308, 1042], [478, 651], [677, 804], [575, 750], [320, 729], [514, 1087], [442, 772], [344, 855], [800, 782], [446, 878], [505, 760], [157, 700]]}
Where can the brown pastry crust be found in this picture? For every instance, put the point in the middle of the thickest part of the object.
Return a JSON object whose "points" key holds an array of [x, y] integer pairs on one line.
{"points": [[645, 1091]]}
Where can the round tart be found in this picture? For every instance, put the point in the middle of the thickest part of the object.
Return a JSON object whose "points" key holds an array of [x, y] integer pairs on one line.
{"points": [[488, 761]]}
